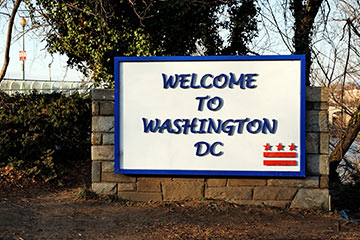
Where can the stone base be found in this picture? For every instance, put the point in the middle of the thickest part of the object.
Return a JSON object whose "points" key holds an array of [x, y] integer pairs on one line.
{"points": [[296, 193], [309, 192]]}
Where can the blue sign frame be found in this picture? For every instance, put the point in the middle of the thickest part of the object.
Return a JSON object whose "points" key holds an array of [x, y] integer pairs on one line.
{"points": [[118, 114]]}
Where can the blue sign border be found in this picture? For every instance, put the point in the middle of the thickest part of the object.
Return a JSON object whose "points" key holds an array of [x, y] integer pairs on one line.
{"points": [[118, 116]]}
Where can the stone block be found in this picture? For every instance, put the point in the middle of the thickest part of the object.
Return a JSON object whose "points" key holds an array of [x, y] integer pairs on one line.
{"points": [[155, 179], [103, 124], [102, 94], [311, 198], [126, 186], [96, 138], [308, 182], [324, 143], [107, 108], [108, 139], [317, 105], [95, 108], [233, 182], [312, 144], [148, 186], [114, 177], [274, 193], [141, 196], [324, 181], [102, 152], [229, 193], [95, 171], [324, 121], [216, 182], [182, 190], [317, 94], [108, 166], [192, 179], [317, 121], [104, 188], [317, 164]]}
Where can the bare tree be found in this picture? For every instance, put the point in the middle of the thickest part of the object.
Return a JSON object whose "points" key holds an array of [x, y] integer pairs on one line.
{"points": [[8, 39], [332, 66], [350, 133], [304, 13], [292, 24]]}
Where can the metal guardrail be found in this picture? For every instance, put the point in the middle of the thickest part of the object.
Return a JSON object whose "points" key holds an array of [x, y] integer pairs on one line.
{"points": [[13, 86]]}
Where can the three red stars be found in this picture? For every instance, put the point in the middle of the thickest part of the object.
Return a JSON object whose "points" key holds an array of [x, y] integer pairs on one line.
{"points": [[280, 147]]}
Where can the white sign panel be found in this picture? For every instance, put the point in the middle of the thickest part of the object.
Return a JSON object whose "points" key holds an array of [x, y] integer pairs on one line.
{"points": [[226, 115]]}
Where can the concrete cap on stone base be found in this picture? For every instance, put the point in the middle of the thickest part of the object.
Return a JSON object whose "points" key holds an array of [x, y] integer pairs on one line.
{"points": [[102, 94]]}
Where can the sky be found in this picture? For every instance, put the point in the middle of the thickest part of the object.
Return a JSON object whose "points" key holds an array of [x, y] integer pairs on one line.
{"points": [[37, 59]]}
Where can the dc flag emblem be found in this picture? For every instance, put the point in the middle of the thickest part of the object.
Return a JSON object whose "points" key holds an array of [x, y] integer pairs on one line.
{"points": [[280, 157]]}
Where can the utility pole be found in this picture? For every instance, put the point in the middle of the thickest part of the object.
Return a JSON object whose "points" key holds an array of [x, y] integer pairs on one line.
{"points": [[23, 24]]}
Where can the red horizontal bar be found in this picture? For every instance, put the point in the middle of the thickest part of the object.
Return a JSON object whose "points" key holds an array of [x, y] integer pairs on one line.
{"points": [[280, 162], [280, 154]]}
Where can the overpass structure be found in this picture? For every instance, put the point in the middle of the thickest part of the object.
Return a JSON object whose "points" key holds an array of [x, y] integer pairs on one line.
{"points": [[12, 86]]}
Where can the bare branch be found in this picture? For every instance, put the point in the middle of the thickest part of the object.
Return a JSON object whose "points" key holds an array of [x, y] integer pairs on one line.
{"points": [[6, 14]]}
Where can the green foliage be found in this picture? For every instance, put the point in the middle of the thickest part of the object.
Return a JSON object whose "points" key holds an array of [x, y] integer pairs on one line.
{"points": [[42, 133], [92, 33], [177, 25], [243, 27]]}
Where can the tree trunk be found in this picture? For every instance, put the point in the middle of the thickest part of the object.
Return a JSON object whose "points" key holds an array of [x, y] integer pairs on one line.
{"points": [[8, 39], [304, 22]]}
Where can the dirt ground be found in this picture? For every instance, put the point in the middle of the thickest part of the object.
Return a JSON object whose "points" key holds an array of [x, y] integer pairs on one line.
{"points": [[62, 215]]}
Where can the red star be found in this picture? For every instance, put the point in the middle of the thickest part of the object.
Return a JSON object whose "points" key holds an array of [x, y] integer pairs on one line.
{"points": [[292, 147], [280, 147], [267, 147]]}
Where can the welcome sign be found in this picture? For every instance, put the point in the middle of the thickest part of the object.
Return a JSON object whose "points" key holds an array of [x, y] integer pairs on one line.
{"points": [[215, 115]]}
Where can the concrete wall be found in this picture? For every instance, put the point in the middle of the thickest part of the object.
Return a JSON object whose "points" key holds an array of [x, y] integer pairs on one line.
{"points": [[308, 192]]}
